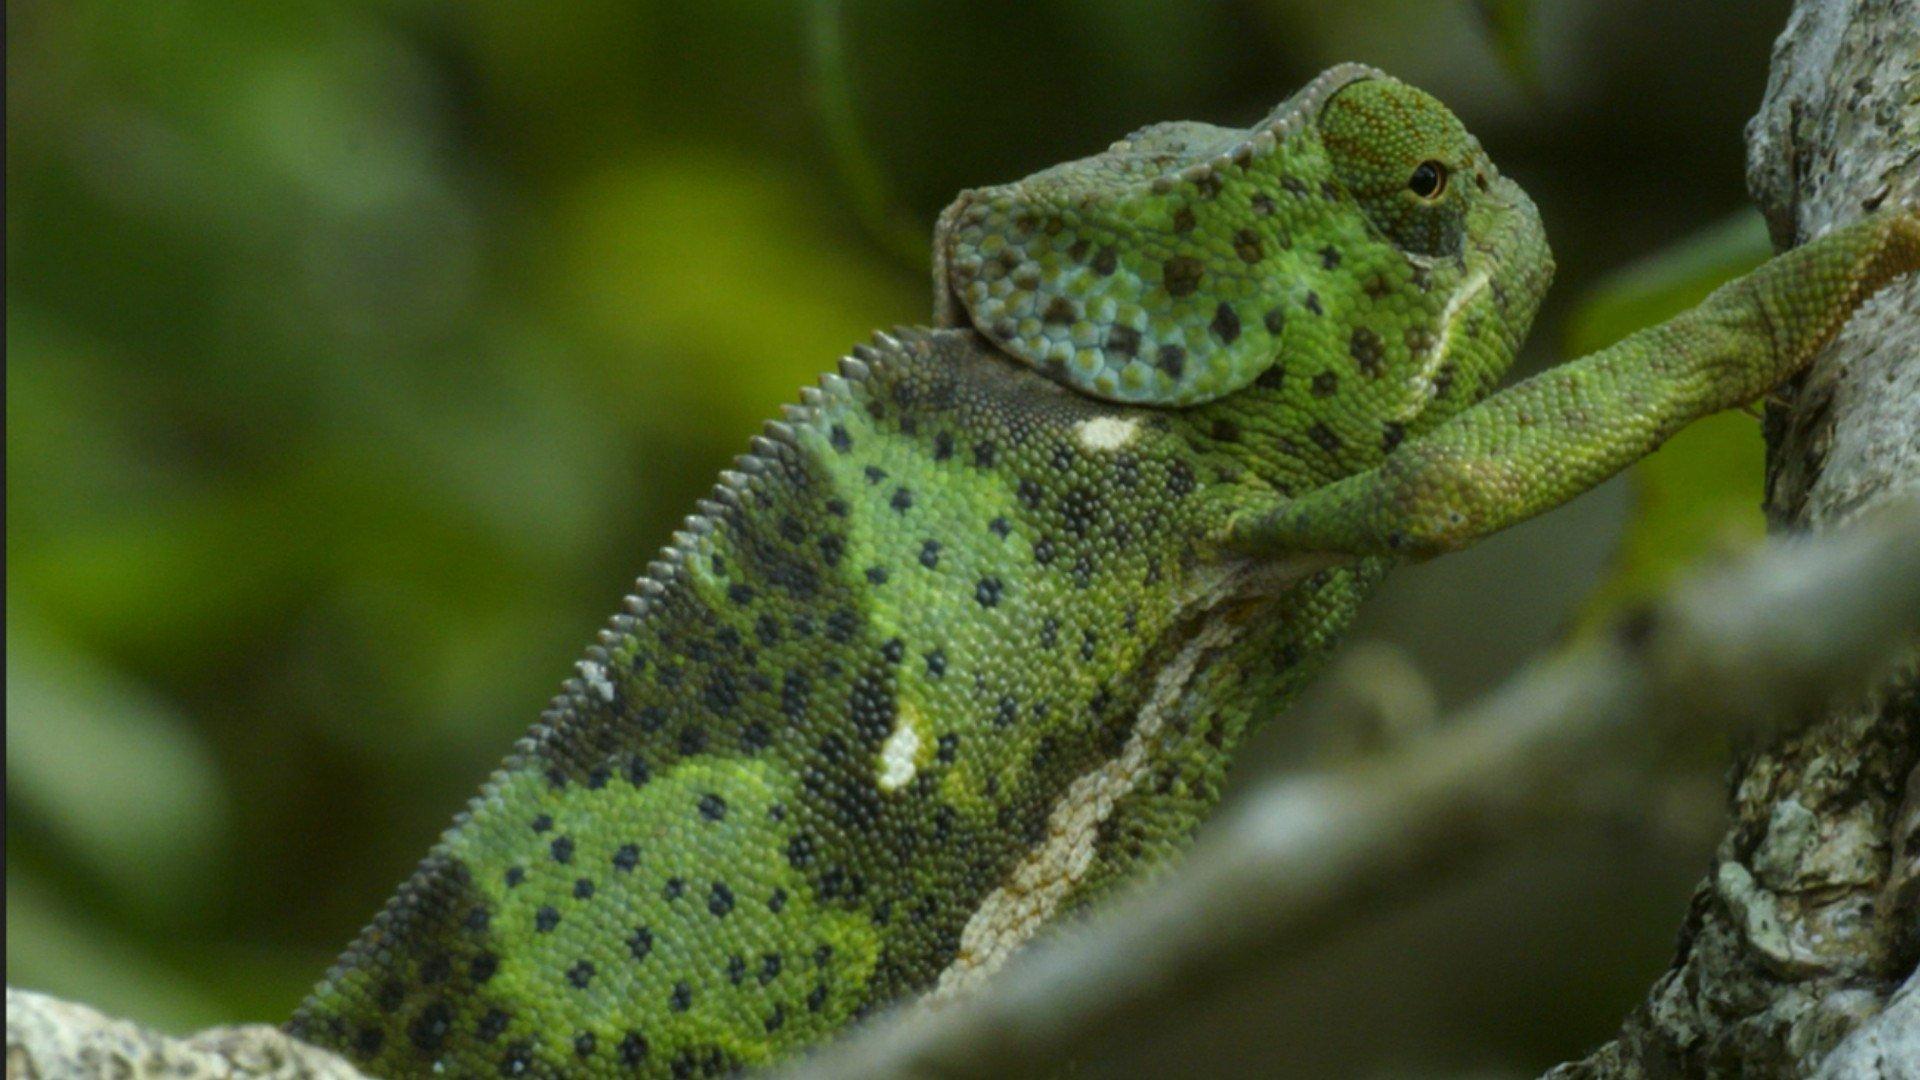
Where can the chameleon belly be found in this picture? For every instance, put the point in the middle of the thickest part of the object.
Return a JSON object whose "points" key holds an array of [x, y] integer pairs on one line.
{"points": [[943, 661]]}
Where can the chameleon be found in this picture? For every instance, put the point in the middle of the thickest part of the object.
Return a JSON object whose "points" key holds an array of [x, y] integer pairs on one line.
{"points": [[969, 638]]}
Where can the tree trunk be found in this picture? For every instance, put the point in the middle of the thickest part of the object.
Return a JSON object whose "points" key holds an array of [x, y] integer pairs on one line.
{"points": [[1798, 955]]}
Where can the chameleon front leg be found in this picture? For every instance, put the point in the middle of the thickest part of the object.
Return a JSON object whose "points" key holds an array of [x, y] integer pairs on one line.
{"points": [[1542, 442]]}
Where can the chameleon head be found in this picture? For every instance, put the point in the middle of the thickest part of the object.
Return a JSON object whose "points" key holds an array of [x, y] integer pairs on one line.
{"points": [[1187, 260]]}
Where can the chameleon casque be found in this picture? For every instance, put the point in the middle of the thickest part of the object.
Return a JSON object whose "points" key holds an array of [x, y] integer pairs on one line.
{"points": [[973, 634]]}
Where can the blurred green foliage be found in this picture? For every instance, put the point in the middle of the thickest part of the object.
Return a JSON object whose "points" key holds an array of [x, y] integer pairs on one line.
{"points": [[361, 351]]}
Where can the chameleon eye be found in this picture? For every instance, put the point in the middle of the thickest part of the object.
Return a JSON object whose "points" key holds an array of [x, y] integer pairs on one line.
{"points": [[1429, 180]]}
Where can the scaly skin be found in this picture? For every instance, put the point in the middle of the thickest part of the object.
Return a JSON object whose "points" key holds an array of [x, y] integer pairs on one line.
{"points": [[973, 635]]}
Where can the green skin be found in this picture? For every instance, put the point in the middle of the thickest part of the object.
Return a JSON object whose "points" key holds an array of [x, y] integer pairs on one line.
{"points": [[973, 636]]}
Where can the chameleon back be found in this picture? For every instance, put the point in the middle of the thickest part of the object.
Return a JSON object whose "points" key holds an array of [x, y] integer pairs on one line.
{"points": [[941, 662]]}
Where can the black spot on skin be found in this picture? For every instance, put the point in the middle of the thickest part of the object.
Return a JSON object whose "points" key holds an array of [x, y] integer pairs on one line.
{"points": [[877, 575], [627, 857], [580, 975], [583, 889], [832, 546], [1323, 435], [1312, 303], [1030, 493], [1330, 257], [492, 1024], [681, 999], [1043, 551], [942, 446], [1106, 262], [1226, 323], [1061, 312], [902, 500], [483, 967], [516, 875], [637, 772], [837, 507], [1171, 359], [1006, 713], [674, 889], [693, 741], [478, 919], [1367, 350], [736, 969], [1248, 246], [428, 1032], [1183, 220], [984, 453], [633, 1049], [1207, 185], [1225, 430], [999, 527], [720, 899], [1180, 478], [1123, 340], [546, 918], [930, 554], [584, 1044], [778, 901], [893, 651], [800, 851], [1275, 320], [1078, 252], [1181, 275], [769, 968], [1443, 379], [874, 474], [1262, 204], [542, 823], [561, 849], [598, 777], [755, 736], [1272, 378], [641, 943], [1325, 384], [842, 441], [937, 663], [776, 1019], [1391, 433], [817, 997], [713, 807], [987, 591]]}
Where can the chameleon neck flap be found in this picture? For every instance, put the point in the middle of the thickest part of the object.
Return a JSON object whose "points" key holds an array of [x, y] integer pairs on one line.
{"points": [[1153, 272]]}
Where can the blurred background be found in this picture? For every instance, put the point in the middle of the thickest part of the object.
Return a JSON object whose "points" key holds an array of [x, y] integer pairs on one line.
{"points": [[360, 353]]}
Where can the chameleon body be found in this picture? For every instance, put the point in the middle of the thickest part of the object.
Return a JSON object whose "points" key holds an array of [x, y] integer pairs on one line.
{"points": [[973, 634]]}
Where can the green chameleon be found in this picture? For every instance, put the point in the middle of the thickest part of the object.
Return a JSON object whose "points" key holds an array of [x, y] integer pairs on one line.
{"points": [[973, 634]]}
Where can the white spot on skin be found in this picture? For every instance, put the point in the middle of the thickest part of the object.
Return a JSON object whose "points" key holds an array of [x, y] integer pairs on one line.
{"points": [[1107, 432], [896, 757], [597, 680]]}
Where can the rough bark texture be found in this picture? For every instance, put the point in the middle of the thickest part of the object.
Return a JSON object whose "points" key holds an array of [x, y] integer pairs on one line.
{"points": [[50, 1039], [1804, 937]]}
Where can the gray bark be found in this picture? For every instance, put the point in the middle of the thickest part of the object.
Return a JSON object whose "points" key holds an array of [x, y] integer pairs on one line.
{"points": [[1798, 955]]}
